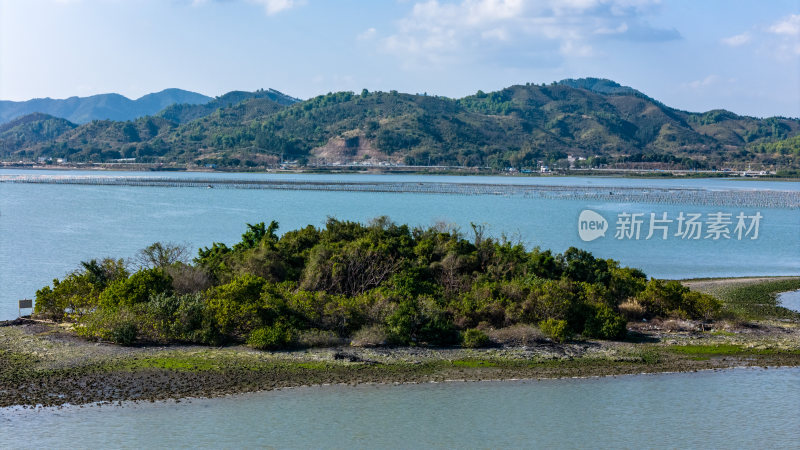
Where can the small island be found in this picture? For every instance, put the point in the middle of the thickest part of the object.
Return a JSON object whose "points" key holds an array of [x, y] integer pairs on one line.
{"points": [[373, 303]]}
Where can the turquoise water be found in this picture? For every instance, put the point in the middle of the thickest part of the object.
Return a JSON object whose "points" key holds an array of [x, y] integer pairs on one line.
{"points": [[47, 229], [738, 408]]}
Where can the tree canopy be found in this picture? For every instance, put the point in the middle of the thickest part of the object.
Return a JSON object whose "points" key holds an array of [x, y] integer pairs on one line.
{"points": [[419, 286]]}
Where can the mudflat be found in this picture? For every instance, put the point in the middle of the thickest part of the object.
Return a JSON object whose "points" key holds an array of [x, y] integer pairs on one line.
{"points": [[45, 364]]}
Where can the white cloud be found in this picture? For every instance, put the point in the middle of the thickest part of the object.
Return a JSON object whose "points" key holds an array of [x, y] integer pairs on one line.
{"points": [[367, 34], [271, 7], [705, 82], [571, 48], [500, 34], [789, 26], [275, 6], [439, 32], [737, 40], [778, 40], [623, 27], [787, 31]]}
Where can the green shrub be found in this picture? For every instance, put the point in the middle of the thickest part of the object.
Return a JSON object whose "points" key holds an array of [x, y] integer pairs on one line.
{"points": [[78, 292], [662, 298], [237, 306], [438, 331], [672, 299], [391, 283], [580, 265], [120, 325], [625, 282], [555, 329], [279, 335], [96, 325], [702, 306], [124, 333], [73, 295], [193, 322], [136, 289], [47, 304], [474, 338], [605, 324], [402, 323], [183, 318]]}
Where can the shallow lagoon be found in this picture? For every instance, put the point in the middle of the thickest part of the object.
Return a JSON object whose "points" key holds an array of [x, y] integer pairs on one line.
{"points": [[46, 230], [790, 300], [742, 408]]}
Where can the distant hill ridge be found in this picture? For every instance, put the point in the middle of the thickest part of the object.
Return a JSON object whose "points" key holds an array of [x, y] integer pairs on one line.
{"points": [[186, 112], [100, 107], [594, 121], [601, 86]]}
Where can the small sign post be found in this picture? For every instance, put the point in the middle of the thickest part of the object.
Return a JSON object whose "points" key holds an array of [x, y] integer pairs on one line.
{"points": [[24, 304]]}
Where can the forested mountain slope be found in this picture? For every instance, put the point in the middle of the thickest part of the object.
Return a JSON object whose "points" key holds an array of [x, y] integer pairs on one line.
{"points": [[519, 126]]}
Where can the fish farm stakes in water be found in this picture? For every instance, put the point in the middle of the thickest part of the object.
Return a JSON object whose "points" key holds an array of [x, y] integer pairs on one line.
{"points": [[705, 197]]}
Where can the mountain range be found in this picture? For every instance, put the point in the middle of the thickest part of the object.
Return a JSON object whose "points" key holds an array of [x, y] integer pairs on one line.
{"points": [[592, 121], [100, 107]]}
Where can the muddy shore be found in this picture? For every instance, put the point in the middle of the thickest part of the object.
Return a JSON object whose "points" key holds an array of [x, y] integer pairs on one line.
{"points": [[44, 364]]}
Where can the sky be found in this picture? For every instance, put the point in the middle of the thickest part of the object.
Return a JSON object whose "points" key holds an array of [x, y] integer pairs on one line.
{"points": [[739, 55]]}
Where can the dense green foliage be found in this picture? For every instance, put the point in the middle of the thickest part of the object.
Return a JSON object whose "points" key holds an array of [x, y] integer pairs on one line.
{"points": [[671, 298], [79, 290], [555, 329], [374, 283], [31, 130], [519, 126], [474, 338]]}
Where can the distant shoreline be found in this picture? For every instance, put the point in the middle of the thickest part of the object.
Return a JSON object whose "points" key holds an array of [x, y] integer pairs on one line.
{"points": [[377, 170]]}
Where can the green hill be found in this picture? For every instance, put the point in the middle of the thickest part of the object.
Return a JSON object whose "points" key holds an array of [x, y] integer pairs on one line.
{"points": [[186, 112], [30, 130], [594, 121]]}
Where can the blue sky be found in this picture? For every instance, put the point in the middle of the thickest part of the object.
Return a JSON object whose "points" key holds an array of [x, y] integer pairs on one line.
{"points": [[695, 55]]}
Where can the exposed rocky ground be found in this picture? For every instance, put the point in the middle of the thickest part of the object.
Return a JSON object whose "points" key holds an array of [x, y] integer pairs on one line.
{"points": [[45, 364]]}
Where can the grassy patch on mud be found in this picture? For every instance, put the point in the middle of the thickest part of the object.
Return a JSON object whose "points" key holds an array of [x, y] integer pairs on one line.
{"points": [[711, 350], [188, 363], [473, 363], [751, 300], [208, 374]]}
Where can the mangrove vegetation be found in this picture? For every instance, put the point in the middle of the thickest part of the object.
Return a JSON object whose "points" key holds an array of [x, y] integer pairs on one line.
{"points": [[369, 284]]}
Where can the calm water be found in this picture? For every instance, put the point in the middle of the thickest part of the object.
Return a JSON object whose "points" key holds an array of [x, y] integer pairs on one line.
{"points": [[46, 230], [739, 408], [790, 300]]}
